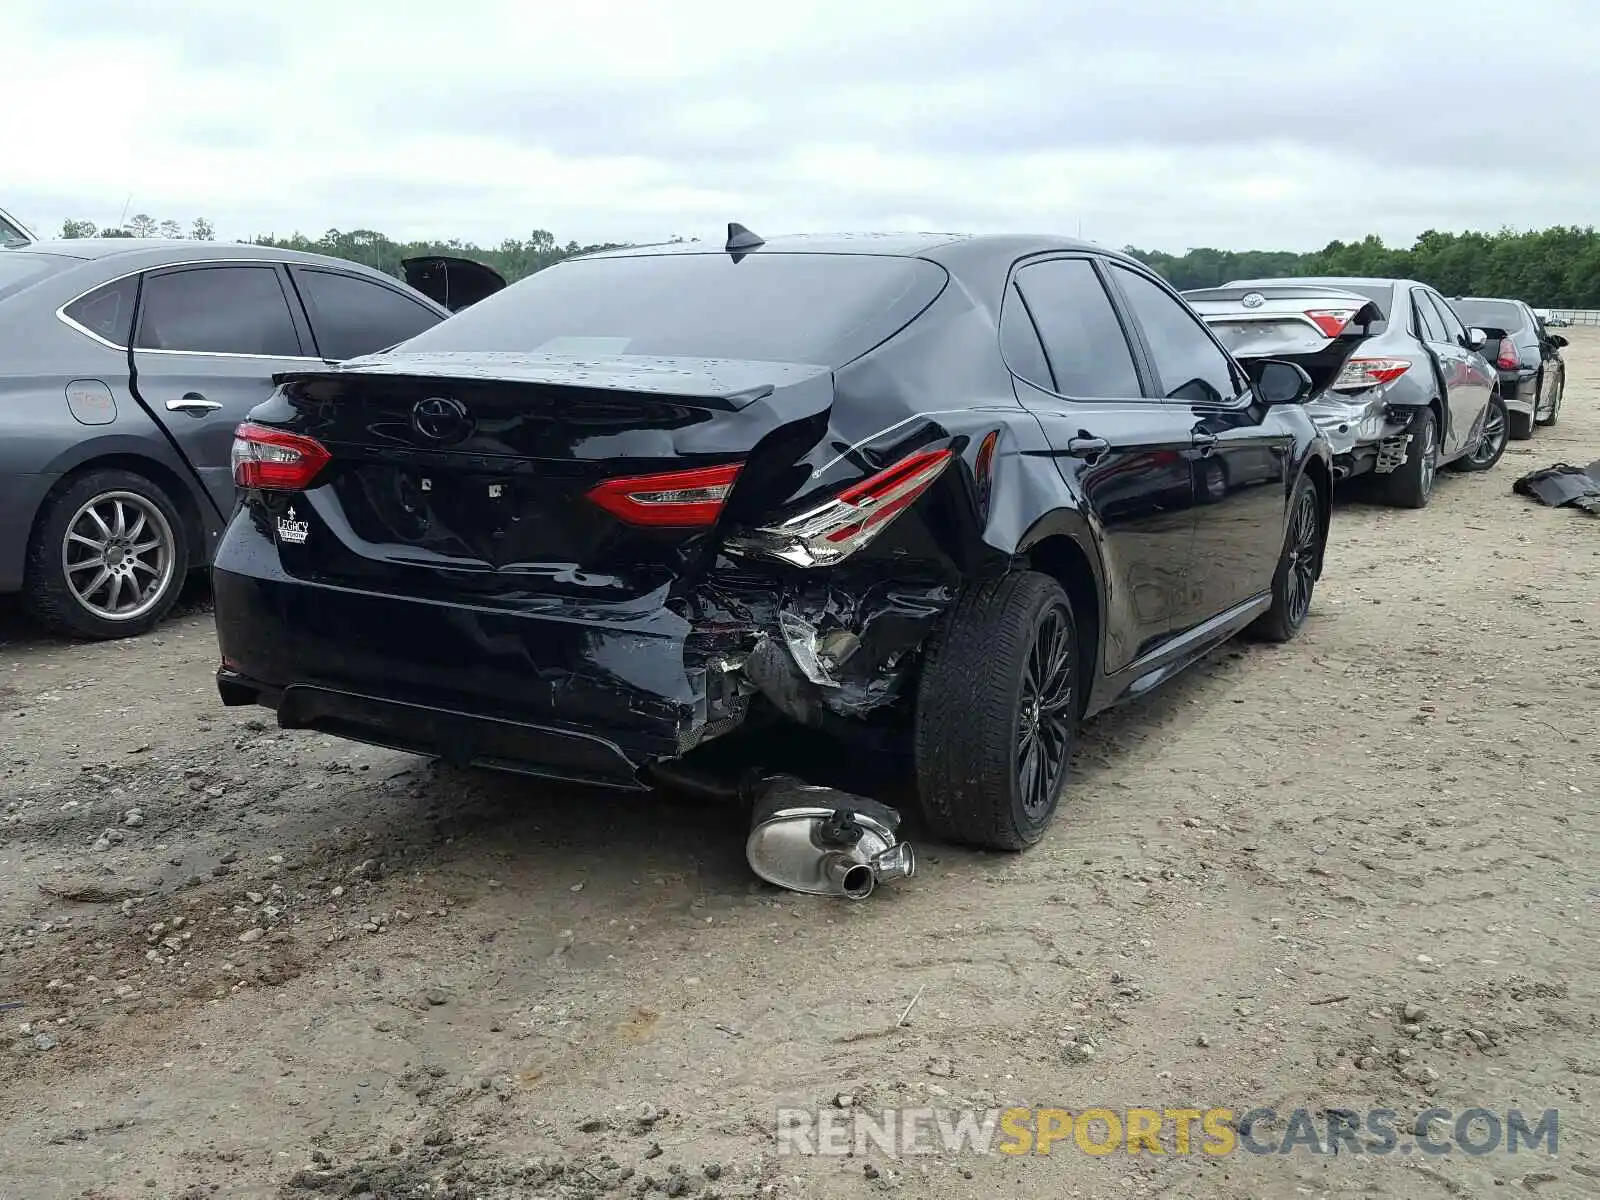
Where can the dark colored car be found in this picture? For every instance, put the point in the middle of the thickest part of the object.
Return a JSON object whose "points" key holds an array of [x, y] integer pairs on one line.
{"points": [[125, 366], [944, 492], [1526, 356]]}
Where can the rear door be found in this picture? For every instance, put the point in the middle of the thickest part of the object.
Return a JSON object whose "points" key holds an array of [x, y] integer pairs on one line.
{"points": [[351, 316], [1239, 457], [1122, 452], [1468, 378], [206, 342]]}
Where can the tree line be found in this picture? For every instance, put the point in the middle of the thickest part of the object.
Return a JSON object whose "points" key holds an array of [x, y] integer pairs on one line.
{"points": [[1549, 268]]}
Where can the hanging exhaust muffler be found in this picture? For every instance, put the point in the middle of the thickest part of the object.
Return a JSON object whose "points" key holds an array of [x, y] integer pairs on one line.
{"points": [[824, 842]]}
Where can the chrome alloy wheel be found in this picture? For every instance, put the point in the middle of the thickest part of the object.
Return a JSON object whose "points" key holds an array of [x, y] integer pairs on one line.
{"points": [[118, 555]]}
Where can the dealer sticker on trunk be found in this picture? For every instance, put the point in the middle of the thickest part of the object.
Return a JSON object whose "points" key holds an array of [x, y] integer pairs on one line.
{"points": [[290, 530]]}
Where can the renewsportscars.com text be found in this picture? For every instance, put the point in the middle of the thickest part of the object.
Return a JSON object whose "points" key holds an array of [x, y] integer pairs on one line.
{"points": [[899, 1132]]}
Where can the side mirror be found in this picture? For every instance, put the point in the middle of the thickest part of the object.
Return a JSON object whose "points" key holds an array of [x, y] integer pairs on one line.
{"points": [[1279, 381], [1476, 339], [1557, 340]]}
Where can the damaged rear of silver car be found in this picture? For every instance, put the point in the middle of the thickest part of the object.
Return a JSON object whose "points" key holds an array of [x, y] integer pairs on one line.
{"points": [[1320, 328]]}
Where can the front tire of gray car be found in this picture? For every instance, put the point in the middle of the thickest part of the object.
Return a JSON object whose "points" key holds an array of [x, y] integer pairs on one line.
{"points": [[1411, 484], [108, 557], [997, 713]]}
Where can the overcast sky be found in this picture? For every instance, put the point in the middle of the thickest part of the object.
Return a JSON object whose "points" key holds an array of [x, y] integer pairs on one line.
{"points": [[1161, 123]]}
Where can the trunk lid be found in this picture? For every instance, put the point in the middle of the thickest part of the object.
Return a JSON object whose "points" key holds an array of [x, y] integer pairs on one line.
{"points": [[1317, 327], [456, 283], [472, 472]]}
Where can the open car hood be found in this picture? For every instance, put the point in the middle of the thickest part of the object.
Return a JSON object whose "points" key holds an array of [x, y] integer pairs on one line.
{"points": [[452, 282]]}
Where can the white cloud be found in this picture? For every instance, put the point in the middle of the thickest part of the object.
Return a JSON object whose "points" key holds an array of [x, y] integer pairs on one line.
{"points": [[1162, 123]]}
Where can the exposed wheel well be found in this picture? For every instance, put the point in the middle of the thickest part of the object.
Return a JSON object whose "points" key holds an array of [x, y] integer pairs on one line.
{"points": [[1065, 561], [181, 495]]}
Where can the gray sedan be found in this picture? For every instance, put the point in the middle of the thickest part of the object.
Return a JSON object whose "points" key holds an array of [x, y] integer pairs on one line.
{"points": [[125, 366]]}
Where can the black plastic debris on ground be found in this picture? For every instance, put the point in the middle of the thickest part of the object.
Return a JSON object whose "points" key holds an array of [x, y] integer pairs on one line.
{"points": [[1563, 485]]}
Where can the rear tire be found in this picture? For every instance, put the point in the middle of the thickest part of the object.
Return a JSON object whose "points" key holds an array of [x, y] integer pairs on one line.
{"points": [[1296, 577], [1521, 424], [997, 713], [1554, 414], [1492, 440], [1411, 485], [107, 559]]}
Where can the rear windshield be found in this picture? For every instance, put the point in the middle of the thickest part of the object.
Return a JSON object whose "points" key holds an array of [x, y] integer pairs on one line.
{"points": [[1489, 314], [820, 309], [19, 268]]}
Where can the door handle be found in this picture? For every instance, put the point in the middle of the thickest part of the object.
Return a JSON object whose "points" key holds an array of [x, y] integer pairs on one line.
{"points": [[1085, 446], [194, 404], [1205, 442]]}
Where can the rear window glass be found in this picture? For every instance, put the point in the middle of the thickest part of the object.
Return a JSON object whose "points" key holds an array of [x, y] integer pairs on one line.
{"points": [[19, 269], [821, 309], [1489, 314]]}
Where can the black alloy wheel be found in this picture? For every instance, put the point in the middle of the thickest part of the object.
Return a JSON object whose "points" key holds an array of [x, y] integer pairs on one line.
{"points": [[998, 703], [1295, 580], [1046, 711]]}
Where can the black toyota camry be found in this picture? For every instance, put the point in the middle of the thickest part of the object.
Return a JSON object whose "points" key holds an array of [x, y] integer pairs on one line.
{"points": [[953, 492]]}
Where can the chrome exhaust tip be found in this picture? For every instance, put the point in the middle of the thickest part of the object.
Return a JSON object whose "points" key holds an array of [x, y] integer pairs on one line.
{"points": [[824, 842]]}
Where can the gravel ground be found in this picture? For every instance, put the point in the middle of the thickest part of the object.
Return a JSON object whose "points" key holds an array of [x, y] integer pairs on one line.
{"points": [[255, 963]]}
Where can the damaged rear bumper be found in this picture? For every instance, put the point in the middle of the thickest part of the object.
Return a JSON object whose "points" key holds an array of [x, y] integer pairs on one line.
{"points": [[1365, 432], [574, 690]]}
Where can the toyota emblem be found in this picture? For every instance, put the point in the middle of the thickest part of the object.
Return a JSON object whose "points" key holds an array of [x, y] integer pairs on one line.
{"points": [[441, 419]]}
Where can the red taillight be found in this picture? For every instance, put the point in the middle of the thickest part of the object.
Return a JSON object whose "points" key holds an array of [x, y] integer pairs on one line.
{"points": [[839, 527], [889, 491], [1362, 373], [1331, 321], [676, 499], [275, 461], [1509, 359]]}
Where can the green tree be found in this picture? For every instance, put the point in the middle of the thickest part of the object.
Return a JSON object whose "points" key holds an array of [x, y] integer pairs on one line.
{"points": [[201, 230], [171, 229], [77, 229], [142, 225]]}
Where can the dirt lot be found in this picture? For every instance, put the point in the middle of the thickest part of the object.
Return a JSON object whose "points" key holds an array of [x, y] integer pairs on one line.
{"points": [[255, 963]]}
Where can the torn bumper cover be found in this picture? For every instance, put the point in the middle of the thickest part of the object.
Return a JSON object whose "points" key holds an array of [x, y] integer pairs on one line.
{"points": [[1362, 429], [1563, 485], [566, 689]]}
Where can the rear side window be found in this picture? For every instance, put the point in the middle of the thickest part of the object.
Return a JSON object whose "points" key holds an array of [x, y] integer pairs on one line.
{"points": [[1429, 324], [1453, 328], [217, 310], [351, 316], [1088, 352], [1193, 368], [819, 309], [107, 311], [1019, 343]]}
